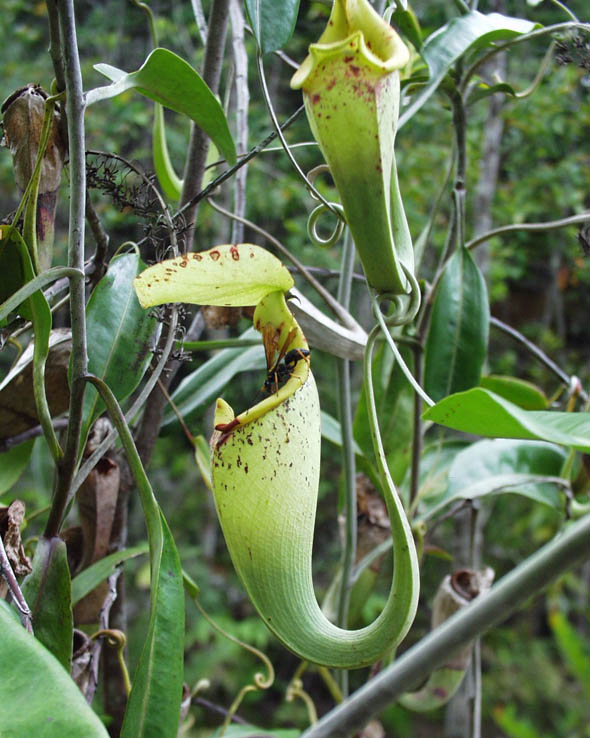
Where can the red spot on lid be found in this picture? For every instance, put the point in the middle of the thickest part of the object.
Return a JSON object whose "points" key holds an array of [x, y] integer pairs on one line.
{"points": [[214, 254], [235, 254]]}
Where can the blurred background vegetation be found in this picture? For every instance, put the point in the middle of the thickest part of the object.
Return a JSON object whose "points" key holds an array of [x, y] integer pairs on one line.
{"points": [[538, 283]]}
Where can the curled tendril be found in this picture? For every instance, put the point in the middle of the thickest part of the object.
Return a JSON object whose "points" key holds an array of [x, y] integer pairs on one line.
{"points": [[295, 690], [404, 308], [312, 221], [261, 681], [115, 638]]}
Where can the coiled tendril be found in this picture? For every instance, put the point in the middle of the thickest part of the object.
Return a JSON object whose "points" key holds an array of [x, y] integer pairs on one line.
{"points": [[317, 212]]}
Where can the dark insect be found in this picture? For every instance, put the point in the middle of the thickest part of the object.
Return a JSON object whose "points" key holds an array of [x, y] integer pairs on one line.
{"points": [[281, 370]]}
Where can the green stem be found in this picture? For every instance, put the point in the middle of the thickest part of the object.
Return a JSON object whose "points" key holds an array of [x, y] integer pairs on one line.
{"points": [[565, 10], [566, 550], [75, 106], [348, 456], [51, 275], [151, 23]]}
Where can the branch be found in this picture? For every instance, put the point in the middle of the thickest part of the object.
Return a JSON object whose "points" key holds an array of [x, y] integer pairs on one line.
{"points": [[565, 551], [537, 352]]}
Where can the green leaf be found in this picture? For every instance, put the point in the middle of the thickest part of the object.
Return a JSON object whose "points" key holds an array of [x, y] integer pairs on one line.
{"points": [[90, 578], [230, 275], [272, 22], [205, 384], [522, 393], [494, 467], [37, 694], [119, 335], [483, 413], [169, 80], [153, 709], [435, 463], [405, 21], [12, 464], [48, 591], [468, 32], [11, 268], [458, 333]]}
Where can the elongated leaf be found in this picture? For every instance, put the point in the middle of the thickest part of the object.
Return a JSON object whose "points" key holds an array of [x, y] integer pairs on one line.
{"points": [[38, 696], [272, 22], [482, 412], [524, 394], [493, 467], [206, 383], [405, 20], [230, 275], [153, 709], [170, 182], [12, 464], [48, 591], [458, 334], [120, 335], [11, 268], [466, 33], [90, 578], [169, 80]]}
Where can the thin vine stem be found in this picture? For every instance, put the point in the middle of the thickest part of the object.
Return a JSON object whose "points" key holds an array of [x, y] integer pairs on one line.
{"points": [[229, 173], [550, 225], [536, 352], [398, 357], [275, 122]]}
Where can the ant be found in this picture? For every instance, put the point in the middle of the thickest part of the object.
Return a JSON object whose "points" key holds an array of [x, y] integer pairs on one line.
{"points": [[279, 373]]}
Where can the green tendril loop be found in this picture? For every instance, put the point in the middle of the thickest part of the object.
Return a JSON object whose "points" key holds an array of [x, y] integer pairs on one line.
{"points": [[404, 307], [312, 232]]}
